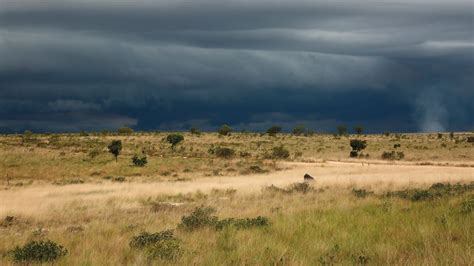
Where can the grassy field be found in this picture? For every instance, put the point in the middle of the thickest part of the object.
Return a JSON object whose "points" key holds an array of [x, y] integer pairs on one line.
{"points": [[67, 188]]}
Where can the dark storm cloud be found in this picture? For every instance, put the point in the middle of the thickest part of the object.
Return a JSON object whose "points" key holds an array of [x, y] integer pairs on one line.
{"points": [[405, 65]]}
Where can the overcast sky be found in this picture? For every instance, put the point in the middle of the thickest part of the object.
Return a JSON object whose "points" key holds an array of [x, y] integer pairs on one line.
{"points": [[405, 65]]}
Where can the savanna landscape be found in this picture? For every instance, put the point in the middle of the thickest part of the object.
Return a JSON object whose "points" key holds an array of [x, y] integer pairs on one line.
{"points": [[236, 198]]}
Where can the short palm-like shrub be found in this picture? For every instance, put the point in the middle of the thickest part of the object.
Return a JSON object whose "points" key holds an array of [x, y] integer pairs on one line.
{"points": [[38, 252]]}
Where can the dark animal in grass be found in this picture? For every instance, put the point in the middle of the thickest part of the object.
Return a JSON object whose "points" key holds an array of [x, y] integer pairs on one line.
{"points": [[308, 178]]}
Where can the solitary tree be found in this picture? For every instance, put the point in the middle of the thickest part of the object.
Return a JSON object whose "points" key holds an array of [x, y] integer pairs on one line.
{"points": [[225, 130], [341, 130], [125, 131], [299, 130], [115, 147], [357, 146], [174, 139], [358, 129], [272, 131]]}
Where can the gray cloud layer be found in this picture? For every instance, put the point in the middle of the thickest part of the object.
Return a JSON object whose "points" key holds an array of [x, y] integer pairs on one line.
{"points": [[404, 65]]}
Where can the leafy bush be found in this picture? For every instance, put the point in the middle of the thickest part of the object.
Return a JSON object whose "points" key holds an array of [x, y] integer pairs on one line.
{"points": [[436, 191], [272, 131], [358, 129], [38, 251], [299, 130], [242, 223], [194, 131], [225, 130], [174, 139], [168, 250], [199, 218], [144, 238], [341, 130], [470, 139], [280, 152], [115, 147], [467, 206], [125, 131], [361, 193], [223, 152], [245, 154], [257, 169], [139, 160], [300, 187], [396, 145], [353, 154], [118, 179], [393, 155]]}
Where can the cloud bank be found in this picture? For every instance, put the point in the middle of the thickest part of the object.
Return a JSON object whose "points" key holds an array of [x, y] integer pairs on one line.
{"points": [[389, 65]]}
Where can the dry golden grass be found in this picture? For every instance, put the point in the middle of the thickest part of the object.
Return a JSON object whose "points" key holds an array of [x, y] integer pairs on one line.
{"points": [[95, 220]]}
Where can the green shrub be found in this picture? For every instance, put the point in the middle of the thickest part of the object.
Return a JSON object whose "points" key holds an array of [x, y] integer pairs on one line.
{"points": [[174, 139], [125, 131], [223, 152], [118, 179], [300, 188], [467, 206], [299, 130], [200, 217], [145, 239], [272, 131], [470, 139], [242, 223], [225, 130], [39, 252], [167, 250], [139, 160], [361, 193], [280, 152], [393, 155]]}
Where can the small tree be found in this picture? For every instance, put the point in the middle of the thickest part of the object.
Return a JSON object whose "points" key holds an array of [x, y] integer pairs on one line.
{"points": [[174, 139], [341, 130], [357, 146], [225, 130], [299, 130], [280, 152], [194, 131], [139, 160], [272, 131], [125, 131], [115, 147], [358, 130]]}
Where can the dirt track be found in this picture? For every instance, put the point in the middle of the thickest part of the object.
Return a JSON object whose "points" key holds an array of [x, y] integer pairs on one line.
{"points": [[344, 174]]}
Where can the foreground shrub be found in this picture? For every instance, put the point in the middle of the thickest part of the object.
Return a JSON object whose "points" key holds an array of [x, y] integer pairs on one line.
{"points": [[242, 223], [280, 152], [168, 250], [200, 217], [39, 252], [436, 191], [357, 145], [145, 239], [139, 160]]}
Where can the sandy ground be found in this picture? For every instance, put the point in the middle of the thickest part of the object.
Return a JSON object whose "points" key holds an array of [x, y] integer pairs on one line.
{"points": [[39, 198]]}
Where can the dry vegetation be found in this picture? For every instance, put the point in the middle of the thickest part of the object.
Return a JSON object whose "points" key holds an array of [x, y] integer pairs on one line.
{"points": [[67, 188]]}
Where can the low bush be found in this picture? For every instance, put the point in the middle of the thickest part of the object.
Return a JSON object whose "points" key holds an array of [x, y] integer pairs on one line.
{"points": [[223, 152], [139, 160], [280, 152], [361, 193], [38, 252], [200, 217], [436, 191], [145, 239], [467, 206], [393, 155], [168, 250], [470, 139], [242, 223]]}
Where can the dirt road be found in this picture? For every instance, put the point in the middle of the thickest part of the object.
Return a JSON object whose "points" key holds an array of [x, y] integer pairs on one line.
{"points": [[37, 198]]}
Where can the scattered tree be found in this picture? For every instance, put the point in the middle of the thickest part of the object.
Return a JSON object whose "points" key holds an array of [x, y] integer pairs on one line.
{"points": [[225, 130], [357, 146], [299, 130], [174, 139], [341, 130], [125, 131], [358, 129], [115, 147], [272, 131]]}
